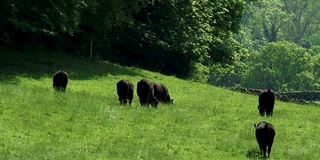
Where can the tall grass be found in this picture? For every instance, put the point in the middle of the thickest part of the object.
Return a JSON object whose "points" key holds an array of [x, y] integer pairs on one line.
{"points": [[87, 122]]}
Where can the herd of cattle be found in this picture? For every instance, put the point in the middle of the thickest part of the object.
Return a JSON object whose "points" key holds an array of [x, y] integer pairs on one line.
{"points": [[151, 93]]}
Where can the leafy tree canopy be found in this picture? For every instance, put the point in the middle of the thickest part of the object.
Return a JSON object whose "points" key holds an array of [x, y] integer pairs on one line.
{"points": [[182, 38]]}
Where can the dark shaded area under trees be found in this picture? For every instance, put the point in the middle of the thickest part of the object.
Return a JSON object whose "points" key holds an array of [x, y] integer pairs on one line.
{"points": [[181, 38]]}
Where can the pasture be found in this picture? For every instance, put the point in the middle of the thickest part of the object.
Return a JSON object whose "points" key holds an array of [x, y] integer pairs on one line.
{"points": [[87, 122]]}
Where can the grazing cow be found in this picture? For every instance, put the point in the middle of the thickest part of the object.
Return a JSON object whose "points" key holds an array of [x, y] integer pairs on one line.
{"points": [[162, 94], [265, 133], [145, 92], [125, 91], [60, 81], [266, 102]]}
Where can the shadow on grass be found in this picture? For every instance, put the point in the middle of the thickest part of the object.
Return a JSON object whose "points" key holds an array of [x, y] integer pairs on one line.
{"points": [[253, 154], [41, 64]]}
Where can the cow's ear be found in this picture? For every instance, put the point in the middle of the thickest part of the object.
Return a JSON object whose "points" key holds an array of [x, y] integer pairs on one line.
{"points": [[255, 126]]}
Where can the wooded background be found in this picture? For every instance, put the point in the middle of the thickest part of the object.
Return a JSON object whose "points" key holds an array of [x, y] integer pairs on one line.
{"points": [[258, 44]]}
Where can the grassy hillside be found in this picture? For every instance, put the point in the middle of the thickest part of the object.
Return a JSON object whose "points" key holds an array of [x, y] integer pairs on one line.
{"points": [[87, 121]]}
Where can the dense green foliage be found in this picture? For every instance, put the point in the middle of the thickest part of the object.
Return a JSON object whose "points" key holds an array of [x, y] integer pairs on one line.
{"points": [[180, 38], [282, 39], [87, 122], [296, 21], [282, 65], [225, 42], [279, 65]]}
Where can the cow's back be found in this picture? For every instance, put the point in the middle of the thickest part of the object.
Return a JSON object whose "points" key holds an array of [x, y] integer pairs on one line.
{"points": [[60, 80], [123, 87], [145, 92], [267, 98], [143, 88], [266, 102], [265, 133], [125, 91]]}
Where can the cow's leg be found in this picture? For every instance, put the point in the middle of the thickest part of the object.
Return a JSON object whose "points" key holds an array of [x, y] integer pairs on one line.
{"points": [[143, 102], [269, 150], [270, 145], [269, 111], [261, 110], [261, 150], [121, 101], [130, 100], [264, 150], [130, 97]]}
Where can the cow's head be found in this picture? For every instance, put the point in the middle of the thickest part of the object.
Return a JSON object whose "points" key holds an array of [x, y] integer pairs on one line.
{"points": [[168, 100], [154, 102]]}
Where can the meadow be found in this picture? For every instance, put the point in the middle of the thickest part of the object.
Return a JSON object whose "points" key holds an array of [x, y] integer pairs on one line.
{"points": [[87, 122]]}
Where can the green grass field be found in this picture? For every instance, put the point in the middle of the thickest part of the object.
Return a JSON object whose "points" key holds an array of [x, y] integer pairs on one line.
{"points": [[87, 122]]}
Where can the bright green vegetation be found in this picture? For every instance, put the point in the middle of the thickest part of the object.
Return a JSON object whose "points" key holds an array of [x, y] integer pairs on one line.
{"points": [[282, 54], [87, 122]]}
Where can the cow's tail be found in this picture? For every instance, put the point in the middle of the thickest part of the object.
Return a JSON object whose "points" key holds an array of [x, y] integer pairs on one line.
{"points": [[269, 90], [128, 89], [62, 76]]}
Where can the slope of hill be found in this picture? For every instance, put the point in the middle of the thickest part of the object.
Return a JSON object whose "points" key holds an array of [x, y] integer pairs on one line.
{"points": [[87, 122]]}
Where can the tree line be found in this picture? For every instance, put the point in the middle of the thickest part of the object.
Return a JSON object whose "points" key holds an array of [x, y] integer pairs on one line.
{"points": [[183, 38], [246, 43]]}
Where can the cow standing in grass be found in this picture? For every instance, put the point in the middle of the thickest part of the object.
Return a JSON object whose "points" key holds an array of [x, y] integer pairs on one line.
{"points": [[162, 94], [125, 91], [145, 92], [265, 133], [266, 102], [60, 81]]}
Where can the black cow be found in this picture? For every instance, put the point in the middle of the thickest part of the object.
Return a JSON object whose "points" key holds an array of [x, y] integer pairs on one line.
{"points": [[162, 94], [266, 102], [60, 81], [125, 91], [145, 92], [265, 133]]}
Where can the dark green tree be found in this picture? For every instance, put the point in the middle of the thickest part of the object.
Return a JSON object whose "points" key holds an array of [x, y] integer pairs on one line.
{"points": [[183, 38], [30, 20]]}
